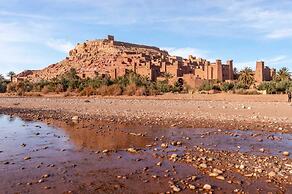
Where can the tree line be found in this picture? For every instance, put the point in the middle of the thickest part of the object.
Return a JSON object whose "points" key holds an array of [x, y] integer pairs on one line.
{"points": [[134, 84]]}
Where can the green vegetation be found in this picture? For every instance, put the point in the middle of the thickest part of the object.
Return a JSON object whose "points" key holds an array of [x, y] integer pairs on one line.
{"points": [[3, 84], [274, 87], [11, 74], [130, 84], [134, 84], [246, 78]]}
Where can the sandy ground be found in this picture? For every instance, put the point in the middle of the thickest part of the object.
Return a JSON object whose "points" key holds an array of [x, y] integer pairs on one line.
{"points": [[270, 112]]}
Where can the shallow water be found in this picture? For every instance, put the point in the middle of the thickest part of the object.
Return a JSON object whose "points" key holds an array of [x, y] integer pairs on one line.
{"points": [[68, 152]]}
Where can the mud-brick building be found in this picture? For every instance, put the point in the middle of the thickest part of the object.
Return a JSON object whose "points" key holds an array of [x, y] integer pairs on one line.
{"points": [[263, 73], [116, 58]]}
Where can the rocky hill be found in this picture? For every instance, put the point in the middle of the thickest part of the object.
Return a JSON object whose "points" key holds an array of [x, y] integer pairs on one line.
{"points": [[100, 56]]}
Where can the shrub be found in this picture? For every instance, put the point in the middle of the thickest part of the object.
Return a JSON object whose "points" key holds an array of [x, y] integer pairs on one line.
{"points": [[206, 86], [240, 85], [131, 89], [20, 92], [3, 87], [141, 92], [11, 87], [88, 91], [226, 86], [45, 90], [59, 88], [246, 92], [113, 90], [163, 86]]}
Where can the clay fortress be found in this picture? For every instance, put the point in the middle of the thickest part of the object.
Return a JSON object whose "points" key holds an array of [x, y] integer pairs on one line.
{"points": [[109, 57]]}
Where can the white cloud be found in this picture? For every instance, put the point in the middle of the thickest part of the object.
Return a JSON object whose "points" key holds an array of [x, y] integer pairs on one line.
{"points": [[60, 45], [281, 33], [273, 62], [185, 52]]}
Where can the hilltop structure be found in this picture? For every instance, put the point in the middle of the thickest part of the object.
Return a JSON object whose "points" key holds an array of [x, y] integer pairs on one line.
{"points": [[109, 57]]}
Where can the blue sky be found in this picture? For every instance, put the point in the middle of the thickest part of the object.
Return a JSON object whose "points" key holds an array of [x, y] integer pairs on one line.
{"points": [[36, 33]]}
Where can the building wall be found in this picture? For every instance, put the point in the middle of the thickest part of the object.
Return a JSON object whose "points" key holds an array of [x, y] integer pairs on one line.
{"points": [[263, 73]]}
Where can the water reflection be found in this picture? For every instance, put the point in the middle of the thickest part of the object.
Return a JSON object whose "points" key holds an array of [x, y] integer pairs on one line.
{"points": [[93, 137]]}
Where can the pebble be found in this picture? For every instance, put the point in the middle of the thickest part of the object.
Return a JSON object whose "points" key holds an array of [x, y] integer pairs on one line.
{"points": [[46, 176], [192, 187], [286, 153], [132, 150], [105, 151], [272, 174], [27, 158], [207, 187], [164, 145], [75, 118], [175, 188], [220, 178]]}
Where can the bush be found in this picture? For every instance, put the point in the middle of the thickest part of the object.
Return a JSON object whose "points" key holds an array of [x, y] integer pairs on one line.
{"points": [[273, 87], [11, 87], [246, 92], [163, 86], [59, 88], [131, 89], [227, 86], [3, 87], [45, 90], [206, 86], [141, 92], [88, 91], [240, 85], [113, 90]]}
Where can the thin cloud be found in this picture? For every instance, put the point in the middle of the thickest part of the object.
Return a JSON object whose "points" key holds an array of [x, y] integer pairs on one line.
{"points": [[60, 45], [186, 52]]}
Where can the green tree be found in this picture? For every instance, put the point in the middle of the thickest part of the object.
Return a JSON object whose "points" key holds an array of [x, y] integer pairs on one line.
{"points": [[2, 79], [11, 74], [282, 74], [246, 77]]}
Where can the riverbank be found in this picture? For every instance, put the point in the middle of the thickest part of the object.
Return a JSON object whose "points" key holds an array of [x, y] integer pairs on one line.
{"points": [[271, 113]]}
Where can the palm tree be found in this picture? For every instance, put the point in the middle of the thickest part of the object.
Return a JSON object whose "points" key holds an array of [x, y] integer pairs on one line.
{"points": [[283, 74], [246, 77], [1, 78], [235, 73], [11, 74]]}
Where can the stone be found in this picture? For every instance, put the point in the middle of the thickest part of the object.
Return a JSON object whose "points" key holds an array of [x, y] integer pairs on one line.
{"points": [[272, 174], [192, 187], [132, 150], [220, 178], [213, 174], [46, 176], [164, 145], [27, 158], [75, 118], [203, 165], [207, 187], [175, 188], [286, 153]]}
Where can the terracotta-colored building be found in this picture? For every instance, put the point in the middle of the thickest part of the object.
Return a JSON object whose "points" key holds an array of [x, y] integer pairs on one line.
{"points": [[263, 73], [115, 58]]}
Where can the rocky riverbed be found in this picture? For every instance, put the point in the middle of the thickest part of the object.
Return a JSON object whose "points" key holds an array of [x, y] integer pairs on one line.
{"points": [[123, 146]]}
